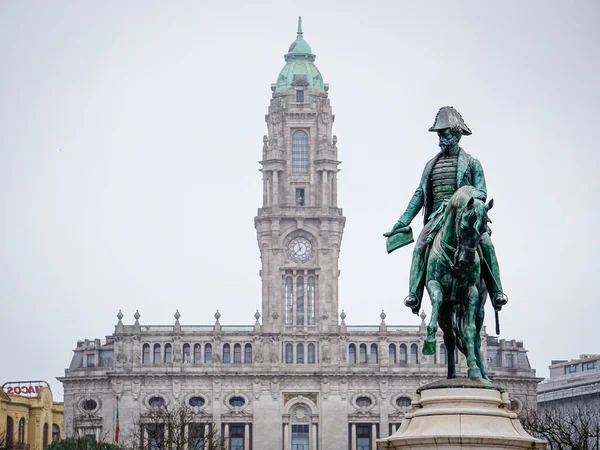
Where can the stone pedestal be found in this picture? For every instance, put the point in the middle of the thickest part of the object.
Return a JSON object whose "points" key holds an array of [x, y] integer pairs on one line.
{"points": [[460, 414]]}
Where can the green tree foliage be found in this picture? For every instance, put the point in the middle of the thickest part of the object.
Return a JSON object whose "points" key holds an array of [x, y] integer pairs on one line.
{"points": [[81, 443]]}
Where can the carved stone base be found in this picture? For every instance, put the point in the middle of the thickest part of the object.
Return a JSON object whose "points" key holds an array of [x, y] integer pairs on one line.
{"points": [[461, 414]]}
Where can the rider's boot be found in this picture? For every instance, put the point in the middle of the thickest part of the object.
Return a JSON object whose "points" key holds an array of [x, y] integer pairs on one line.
{"points": [[499, 299], [491, 273], [413, 302]]}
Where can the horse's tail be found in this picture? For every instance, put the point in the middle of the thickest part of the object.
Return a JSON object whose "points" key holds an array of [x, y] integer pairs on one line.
{"points": [[458, 323]]}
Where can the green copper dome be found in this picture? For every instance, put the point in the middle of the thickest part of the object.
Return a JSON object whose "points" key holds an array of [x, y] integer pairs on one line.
{"points": [[299, 67]]}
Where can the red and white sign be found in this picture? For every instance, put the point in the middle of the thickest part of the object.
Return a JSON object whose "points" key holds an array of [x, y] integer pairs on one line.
{"points": [[27, 388]]}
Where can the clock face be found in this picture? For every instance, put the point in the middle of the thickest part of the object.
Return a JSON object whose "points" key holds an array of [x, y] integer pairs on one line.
{"points": [[300, 249]]}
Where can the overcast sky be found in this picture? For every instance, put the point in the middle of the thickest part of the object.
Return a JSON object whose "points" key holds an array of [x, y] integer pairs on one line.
{"points": [[130, 133]]}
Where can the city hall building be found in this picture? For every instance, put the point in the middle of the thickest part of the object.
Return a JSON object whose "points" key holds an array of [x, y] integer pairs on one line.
{"points": [[299, 377]]}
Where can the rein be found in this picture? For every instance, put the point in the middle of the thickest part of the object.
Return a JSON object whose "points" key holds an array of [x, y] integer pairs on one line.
{"points": [[445, 246]]}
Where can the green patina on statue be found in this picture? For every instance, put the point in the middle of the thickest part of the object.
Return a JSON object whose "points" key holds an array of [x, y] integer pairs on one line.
{"points": [[454, 256]]}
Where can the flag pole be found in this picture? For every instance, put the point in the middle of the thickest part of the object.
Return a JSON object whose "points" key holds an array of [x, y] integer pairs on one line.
{"points": [[117, 423]]}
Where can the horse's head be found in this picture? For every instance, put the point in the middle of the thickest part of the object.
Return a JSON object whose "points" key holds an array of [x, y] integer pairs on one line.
{"points": [[471, 223]]}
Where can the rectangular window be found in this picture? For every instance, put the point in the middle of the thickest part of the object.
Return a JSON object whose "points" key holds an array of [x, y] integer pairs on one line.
{"points": [[510, 363], [156, 437], [236, 437], [300, 197], [363, 437], [196, 436], [573, 368], [589, 365], [300, 96], [300, 437], [91, 360]]}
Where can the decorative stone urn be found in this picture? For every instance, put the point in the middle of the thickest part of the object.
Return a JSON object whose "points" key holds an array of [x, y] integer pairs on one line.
{"points": [[461, 414]]}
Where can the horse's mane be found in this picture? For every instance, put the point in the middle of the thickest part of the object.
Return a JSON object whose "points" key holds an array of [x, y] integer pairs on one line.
{"points": [[463, 195]]}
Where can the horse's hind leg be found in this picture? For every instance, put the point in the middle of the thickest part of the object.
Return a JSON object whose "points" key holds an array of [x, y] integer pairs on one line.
{"points": [[445, 320], [436, 295], [470, 330]]}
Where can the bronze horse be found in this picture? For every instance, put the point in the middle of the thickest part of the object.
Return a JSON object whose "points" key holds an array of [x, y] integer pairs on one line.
{"points": [[454, 282]]}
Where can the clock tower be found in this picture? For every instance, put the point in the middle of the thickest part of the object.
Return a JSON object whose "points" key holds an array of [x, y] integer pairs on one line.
{"points": [[299, 227]]}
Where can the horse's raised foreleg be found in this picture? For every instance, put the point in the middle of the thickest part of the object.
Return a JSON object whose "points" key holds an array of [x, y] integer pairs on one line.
{"points": [[446, 324], [436, 294], [478, 327], [470, 330]]}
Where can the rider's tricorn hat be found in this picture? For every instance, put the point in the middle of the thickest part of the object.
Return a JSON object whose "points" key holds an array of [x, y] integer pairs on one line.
{"points": [[399, 238], [448, 117]]}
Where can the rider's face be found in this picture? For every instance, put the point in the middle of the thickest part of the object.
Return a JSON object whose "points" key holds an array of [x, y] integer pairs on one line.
{"points": [[448, 139]]}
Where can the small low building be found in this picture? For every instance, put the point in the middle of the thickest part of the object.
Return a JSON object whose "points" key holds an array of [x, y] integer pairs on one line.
{"points": [[29, 416], [571, 383]]}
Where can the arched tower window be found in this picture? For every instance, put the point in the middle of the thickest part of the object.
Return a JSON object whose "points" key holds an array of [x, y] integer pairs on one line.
{"points": [[443, 355], [45, 435], [403, 354], [186, 353], [226, 354], [237, 354], [311, 294], [289, 300], [392, 353], [363, 353], [299, 152], [156, 358], [10, 431], [197, 354], [21, 435], [168, 354], [373, 359], [352, 354], [300, 354], [55, 433], [248, 354], [312, 357], [414, 354], [289, 354], [300, 301], [146, 354], [208, 354]]}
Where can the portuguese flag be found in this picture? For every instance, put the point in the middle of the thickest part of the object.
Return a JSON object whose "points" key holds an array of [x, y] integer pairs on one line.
{"points": [[117, 423]]}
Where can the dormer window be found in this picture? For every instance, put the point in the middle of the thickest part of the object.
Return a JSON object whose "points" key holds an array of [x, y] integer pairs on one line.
{"points": [[300, 96]]}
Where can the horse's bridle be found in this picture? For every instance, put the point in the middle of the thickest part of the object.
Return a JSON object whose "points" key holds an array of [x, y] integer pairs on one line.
{"points": [[453, 262]]}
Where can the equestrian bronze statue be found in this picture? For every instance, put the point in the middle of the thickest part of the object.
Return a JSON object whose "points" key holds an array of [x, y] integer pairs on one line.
{"points": [[454, 256]]}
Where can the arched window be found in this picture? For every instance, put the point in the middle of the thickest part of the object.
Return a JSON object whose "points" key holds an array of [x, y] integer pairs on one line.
{"points": [[300, 354], [289, 300], [299, 152], [373, 359], [403, 354], [45, 436], [146, 354], [156, 358], [443, 356], [300, 301], [168, 354], [197, 354], [208, 354], [392, 353], [352, 354], [363, 353], [237, 354], [289, 354], [414, 354], [248, 354], [55, 433], [226, 354], [312, 357], [10, 431], [21, 431], [311, 294], [186, 353]]}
